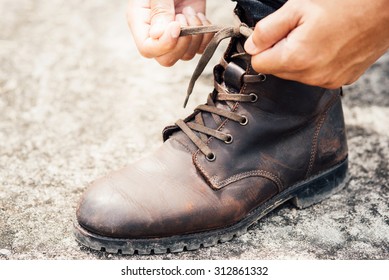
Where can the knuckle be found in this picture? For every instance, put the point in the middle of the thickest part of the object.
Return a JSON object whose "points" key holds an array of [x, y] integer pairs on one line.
{"points": [[316, 79], [188, 56], [333, 81], [351, 81], [146, 52], [166, 61], [353, 78], [331, 85], [168, 47], [298, 61], [201, 49]]}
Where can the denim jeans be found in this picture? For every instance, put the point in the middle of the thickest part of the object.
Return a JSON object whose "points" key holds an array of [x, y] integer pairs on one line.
{"points": [[251, 11]]}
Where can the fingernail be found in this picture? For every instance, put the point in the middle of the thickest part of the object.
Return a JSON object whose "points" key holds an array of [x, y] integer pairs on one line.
{"points": [[189, 11], [175, 31], [202, 17], [250, 47], [181, 19]]}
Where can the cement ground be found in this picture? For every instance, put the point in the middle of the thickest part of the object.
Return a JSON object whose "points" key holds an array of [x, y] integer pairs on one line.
{"points": [[77, 100]]}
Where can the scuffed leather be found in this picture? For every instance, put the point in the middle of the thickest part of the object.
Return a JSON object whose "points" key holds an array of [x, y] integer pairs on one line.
{"points": [[294, 131], [163, 195]]}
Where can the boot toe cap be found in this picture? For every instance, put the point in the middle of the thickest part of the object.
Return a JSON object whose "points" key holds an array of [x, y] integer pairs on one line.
{"points": [[106, 211]]}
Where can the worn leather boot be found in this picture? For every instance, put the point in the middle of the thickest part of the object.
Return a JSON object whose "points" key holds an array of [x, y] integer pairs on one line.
{"points": [[258, 142]]}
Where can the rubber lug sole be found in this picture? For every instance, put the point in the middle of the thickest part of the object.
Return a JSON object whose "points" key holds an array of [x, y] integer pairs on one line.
{"points": [[302, 195]]}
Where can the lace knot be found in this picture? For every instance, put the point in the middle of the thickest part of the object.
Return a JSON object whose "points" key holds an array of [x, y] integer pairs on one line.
{"points": [[196, 129], [222, 33]]}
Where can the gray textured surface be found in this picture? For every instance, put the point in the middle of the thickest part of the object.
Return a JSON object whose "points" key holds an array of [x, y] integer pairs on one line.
{"points": [[76, 101]]}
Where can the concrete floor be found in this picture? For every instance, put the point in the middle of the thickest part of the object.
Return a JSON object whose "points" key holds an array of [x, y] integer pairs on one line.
{"points": [[77, 101]]}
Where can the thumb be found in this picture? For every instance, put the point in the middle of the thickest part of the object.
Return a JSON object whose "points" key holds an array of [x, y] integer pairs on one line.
{"points": [[271, 30], [162, 12]]}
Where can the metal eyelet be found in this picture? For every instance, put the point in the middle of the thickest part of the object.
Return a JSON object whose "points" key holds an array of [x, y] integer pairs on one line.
{"points": [[210, 157], [229, 139], [244, 121], [254, 97], [262, 77]]}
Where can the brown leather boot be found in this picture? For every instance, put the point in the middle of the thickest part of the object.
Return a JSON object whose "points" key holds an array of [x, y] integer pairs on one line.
{"points": [[258, 142]]}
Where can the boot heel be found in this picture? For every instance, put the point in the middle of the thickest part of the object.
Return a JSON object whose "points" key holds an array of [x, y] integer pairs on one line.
{"points": [[322, 187]]}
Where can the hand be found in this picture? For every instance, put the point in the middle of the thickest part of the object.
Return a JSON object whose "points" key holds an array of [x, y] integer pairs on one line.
{"points": [[328, 43], [155, 25]]}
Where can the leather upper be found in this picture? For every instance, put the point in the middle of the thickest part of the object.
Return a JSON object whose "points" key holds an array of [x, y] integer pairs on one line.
{"points": [[294, 131]]}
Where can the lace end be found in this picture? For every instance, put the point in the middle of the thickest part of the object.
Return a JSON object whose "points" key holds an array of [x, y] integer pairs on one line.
{"points": [[195, 30], [186, 100], [189, 92]]}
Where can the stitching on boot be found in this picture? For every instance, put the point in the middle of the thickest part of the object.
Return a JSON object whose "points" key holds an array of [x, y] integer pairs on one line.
{"points": [[316, 136], [254, 173], [203, 172], [195, 156], [182, 144]]}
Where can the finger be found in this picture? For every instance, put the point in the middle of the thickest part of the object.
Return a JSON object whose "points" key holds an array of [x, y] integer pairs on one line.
{"points": [[206, 37], [162, 12], [272, 29], [311, 77], [272, 60], [138, 16], [180, 48], [192, 20], [166, 43]]}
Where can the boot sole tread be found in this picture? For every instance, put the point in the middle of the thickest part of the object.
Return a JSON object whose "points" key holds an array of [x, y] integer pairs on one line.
{"points": [[302, 195]]}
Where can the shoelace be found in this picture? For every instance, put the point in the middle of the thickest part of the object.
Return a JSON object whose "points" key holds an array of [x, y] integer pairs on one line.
{"points": [[191, 127]]}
